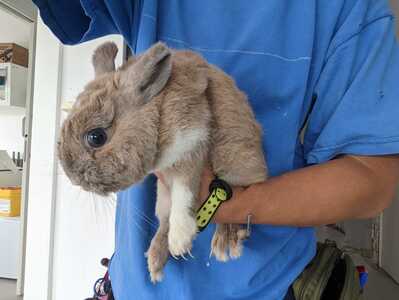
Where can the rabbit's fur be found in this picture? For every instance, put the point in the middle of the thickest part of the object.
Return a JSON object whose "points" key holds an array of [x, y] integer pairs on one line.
{"points": [[170, 112]]}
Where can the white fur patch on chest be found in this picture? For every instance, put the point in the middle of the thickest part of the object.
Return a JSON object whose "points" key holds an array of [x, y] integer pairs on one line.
{"points": [[183, 143]]}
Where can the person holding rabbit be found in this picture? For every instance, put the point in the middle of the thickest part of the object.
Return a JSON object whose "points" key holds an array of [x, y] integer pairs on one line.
{"points": [[321, 78]]}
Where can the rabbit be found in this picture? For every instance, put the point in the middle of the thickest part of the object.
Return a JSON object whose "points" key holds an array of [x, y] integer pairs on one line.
{"points": [[170, 112]]}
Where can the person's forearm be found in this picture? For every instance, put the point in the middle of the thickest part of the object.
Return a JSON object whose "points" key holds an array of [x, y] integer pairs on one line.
{"points": [[344, 188]]}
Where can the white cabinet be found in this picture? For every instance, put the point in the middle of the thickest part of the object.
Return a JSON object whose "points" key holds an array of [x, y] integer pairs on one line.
{"points": [[9, 243], [13, 84]]}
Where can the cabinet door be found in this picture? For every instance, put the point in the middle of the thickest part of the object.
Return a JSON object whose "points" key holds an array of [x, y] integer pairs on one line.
{"points": [[9, 247]]}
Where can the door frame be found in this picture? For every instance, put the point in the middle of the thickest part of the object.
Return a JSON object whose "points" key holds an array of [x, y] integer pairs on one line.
{"points": [[39, 250], [25, 11]]}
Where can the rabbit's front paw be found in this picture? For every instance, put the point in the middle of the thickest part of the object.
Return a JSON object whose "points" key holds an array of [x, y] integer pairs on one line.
{"points": [[182, 231]]}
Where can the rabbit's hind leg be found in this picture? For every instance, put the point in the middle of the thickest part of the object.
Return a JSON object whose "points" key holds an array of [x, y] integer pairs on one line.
{"points": [[227, 241], [158, 252], [239, 168]]}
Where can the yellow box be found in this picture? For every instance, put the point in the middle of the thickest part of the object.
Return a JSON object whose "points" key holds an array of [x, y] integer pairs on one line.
{"points": [[10, 202]]}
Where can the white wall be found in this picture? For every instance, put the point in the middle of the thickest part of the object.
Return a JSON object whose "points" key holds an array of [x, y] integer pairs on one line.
{"points": [[390, 240]]}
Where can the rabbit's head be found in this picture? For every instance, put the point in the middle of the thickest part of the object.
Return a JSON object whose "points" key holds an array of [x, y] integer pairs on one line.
{"points": [[109, 140]]}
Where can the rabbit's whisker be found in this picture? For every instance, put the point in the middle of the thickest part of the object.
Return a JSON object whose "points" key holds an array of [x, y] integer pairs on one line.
{"points": [[144, 232], [145, 217]]}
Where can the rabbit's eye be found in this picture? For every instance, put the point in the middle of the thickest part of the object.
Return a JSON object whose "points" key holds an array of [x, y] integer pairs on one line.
{"points": [[96, 137]]}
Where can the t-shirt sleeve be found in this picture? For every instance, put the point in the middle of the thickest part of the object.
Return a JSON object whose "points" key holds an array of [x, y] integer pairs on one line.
{"points": [[77, 21], [356, 110]]}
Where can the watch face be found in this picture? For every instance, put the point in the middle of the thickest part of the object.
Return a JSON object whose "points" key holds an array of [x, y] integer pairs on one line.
{"points": [[221, 194]]}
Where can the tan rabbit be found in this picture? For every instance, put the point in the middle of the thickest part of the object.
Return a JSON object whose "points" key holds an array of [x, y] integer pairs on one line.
{"points": [[170, 112]]}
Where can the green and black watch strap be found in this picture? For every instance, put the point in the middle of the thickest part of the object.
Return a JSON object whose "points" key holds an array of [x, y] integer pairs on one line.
{"points": [[219, 191]]}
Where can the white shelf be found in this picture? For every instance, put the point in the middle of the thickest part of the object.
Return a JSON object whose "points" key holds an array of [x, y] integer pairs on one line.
{"points": [[10, 219], [12, 110]]}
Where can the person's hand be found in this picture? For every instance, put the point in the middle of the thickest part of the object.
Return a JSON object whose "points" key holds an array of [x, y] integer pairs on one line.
{"points": [[225, 212]]}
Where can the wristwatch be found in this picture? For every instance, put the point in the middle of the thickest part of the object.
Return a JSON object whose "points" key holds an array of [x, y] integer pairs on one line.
{"points": [[219, 191]]}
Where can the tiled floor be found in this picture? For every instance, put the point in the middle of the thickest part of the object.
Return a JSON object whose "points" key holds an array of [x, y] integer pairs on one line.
{"points": [[7, 289], [380, 286]]}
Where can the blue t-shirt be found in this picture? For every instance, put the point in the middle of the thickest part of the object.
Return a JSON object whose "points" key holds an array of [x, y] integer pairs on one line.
{"points": [[331, 64]]}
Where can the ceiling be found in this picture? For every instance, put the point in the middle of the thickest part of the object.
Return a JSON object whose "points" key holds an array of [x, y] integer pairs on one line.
{"points": [[14, 29]]}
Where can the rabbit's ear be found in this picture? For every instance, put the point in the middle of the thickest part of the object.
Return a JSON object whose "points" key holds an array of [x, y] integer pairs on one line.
{"points": [[150, 72], [104, 58]]}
